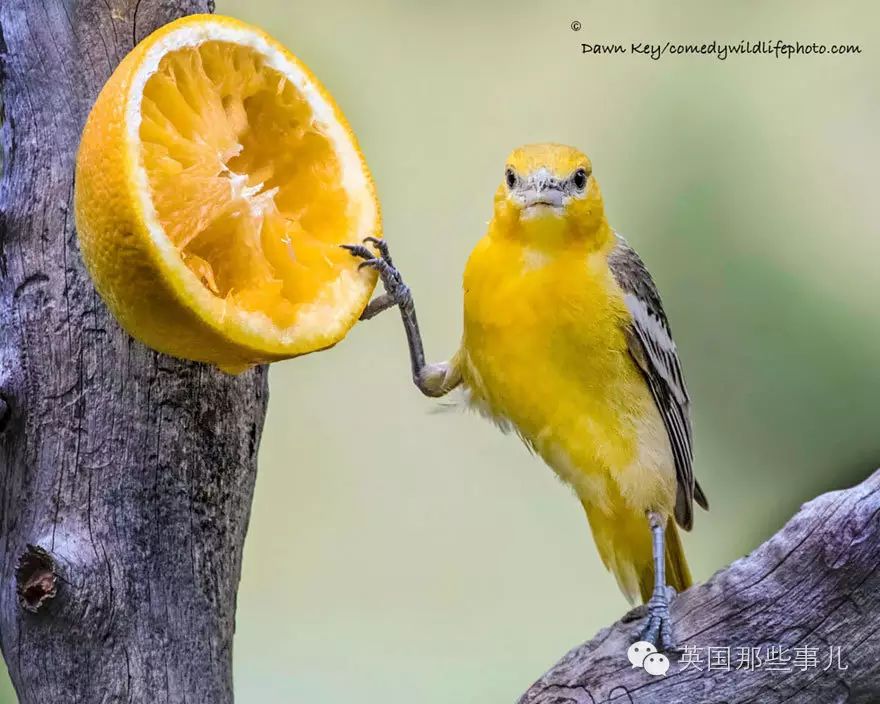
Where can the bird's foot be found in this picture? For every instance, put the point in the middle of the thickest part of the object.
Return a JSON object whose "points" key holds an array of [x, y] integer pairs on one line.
{"points": [[658, 628], [397, 293]]}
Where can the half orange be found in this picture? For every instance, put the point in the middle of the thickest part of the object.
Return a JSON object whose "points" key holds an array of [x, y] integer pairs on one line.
{"points": [[215, 181]]}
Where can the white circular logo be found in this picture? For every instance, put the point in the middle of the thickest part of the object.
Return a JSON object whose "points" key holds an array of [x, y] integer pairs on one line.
{"points": [[656, 664], [637, 652]]}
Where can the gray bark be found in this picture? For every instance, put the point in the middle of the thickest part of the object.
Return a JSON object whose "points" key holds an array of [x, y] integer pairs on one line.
{"points": [[126, 477], [813, 585]]}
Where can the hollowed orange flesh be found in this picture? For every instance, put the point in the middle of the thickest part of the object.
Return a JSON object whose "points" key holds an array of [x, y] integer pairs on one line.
{"points": [[244, 183]]}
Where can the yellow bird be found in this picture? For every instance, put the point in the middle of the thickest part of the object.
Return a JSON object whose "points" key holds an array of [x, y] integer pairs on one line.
{"points": [[565, 341]]}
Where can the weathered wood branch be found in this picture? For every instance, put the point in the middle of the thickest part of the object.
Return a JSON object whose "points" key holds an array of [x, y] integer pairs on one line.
{"points": [[812, 589], [126, 477]]}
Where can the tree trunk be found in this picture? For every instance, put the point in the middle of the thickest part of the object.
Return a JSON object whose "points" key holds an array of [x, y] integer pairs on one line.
{"points": [[796, 621], [127, 476]]}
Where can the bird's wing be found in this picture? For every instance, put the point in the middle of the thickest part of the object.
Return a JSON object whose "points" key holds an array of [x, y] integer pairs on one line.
{"points": [[652, 348]]}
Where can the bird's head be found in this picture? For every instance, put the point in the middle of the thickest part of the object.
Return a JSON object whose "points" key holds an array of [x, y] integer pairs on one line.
{"points": [[548, 190]]}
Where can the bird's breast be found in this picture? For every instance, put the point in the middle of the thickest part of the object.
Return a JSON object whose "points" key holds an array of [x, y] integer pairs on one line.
{"points": [[544, 349]]}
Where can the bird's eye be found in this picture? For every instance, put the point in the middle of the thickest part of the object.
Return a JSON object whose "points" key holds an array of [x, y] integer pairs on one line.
{"points": [[580, 179], [510, 178]]}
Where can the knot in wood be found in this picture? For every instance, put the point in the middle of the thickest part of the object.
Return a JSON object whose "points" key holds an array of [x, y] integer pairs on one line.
{"points": [[36, 578]]}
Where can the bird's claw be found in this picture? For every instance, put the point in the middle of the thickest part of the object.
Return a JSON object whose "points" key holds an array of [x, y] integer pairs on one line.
{"points": [[391, 279], [658, 628], [382, 246]]}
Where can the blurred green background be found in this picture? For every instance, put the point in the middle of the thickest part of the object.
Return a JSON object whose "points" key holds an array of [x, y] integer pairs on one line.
{"points": [[427, 557]]}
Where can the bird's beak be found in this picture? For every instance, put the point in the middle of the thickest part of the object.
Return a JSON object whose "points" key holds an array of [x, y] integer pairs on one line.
{"points": [[542, 189], [550, 196]]}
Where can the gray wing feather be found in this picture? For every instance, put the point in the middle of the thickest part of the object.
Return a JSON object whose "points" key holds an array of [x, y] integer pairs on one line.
{"points": [[652, 347]]}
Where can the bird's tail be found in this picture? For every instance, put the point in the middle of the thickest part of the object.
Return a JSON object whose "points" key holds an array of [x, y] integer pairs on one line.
{"points": [[678, 574], [624, 543]]}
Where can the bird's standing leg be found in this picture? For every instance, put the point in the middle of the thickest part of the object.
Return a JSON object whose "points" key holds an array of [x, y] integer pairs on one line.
{"points": [[658, 629], [431, 379]]}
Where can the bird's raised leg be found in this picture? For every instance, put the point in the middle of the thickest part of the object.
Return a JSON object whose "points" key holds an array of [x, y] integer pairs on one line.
{"points": [[658, 629], [431, 379]]}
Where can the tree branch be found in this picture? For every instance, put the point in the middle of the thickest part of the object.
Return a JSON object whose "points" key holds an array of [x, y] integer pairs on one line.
{"points": [[813, 586], [126, 477]]}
